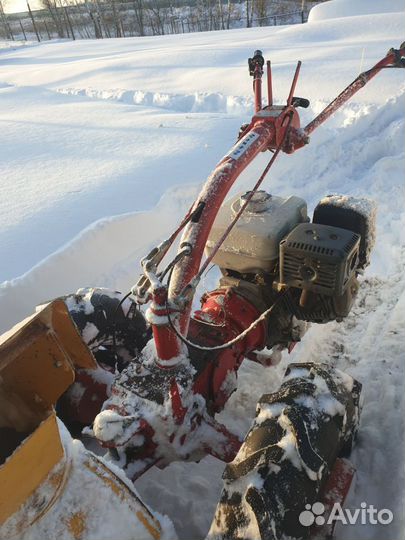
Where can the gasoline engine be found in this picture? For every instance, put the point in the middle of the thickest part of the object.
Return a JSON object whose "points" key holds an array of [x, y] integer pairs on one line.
{"points": [[275, 256], [147, 385]]}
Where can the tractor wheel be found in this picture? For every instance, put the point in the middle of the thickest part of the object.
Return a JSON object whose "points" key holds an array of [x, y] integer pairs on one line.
{"points": [[115, 331], [111, 325], [285, 460]]}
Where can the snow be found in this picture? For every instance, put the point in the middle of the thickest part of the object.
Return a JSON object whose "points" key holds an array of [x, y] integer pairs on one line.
{"points": [[102, 509], [131, 128], [90, 331], [193, 103], [89, 155], [349, 8], [108, 425]]}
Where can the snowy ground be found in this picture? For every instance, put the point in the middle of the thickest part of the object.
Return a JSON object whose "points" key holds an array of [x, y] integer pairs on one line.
{"points": [[97, 129]]}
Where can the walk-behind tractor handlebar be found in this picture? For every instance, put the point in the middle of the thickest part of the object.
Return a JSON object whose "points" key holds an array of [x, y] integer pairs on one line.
{"points": [[293, 273], [273, 127], [279, 272], [154, 401]]}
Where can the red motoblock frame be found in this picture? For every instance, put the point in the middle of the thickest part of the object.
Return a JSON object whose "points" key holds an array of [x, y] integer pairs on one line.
{"points": [[274, 128], [190, 359]]}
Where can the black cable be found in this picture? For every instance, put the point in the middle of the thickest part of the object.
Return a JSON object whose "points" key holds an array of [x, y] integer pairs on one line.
{"points": [[114, 323], [231, 342]]}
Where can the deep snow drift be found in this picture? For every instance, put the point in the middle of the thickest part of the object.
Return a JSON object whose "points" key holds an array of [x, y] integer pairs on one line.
{"points": [[97, 128], [93, 129]]}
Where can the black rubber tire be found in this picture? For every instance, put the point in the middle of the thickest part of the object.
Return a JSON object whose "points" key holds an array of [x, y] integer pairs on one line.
{"points": [[121, 334], [287, 455], [115, 334]]}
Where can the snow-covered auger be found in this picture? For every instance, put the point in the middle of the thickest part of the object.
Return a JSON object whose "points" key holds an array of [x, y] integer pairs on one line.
{"points": [[154, 392]]}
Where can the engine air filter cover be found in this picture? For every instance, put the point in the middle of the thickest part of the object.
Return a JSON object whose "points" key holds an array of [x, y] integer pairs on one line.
{"points": [[319, 258]]}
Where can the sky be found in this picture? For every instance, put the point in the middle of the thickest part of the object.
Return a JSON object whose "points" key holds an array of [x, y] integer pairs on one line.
{"points": [[15, 6]]}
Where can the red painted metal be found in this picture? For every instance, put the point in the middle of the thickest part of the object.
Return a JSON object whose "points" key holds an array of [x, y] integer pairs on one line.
{"points": [[167, 345], [166, 342], [269, 85], [231, 445], [223, 315], [294, 84], [355, 86], [257, 87], [178, 410], [335, 492], [272, 128], [285, 124], [84, 399], [226, 308]]}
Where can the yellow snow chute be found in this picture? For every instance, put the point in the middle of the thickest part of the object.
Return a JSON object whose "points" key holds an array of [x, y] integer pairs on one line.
{"points": [[49, 481]]}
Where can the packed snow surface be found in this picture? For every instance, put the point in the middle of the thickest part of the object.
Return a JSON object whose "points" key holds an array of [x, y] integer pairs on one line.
{"points": [[108, 507], [131, 128], [349, 8]]}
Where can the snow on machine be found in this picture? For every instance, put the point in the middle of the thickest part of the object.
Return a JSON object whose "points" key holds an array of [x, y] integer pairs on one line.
{"points": [[148, 386]]}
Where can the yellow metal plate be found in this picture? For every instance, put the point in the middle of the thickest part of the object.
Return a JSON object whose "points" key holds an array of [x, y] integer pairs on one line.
{"points": [[28, 466], [36, 362]]}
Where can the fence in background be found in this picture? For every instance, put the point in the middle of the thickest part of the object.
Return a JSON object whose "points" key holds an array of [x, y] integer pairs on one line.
{"points": [[112, 18]]}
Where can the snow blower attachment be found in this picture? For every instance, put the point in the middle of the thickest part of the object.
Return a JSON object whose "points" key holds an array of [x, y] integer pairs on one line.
{"points": [[280, 271], [48, 481]]}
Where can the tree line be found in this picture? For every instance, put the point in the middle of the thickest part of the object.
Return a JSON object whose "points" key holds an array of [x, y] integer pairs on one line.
{"points": [[89, 19]]}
